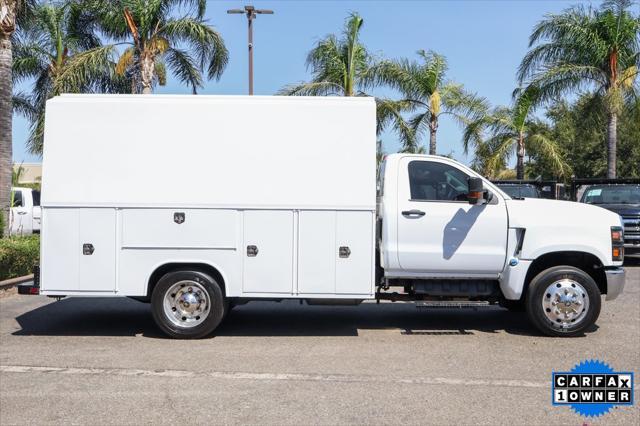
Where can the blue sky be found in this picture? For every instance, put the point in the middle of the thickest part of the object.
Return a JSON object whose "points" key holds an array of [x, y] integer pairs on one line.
{"points": [[482, 40]]}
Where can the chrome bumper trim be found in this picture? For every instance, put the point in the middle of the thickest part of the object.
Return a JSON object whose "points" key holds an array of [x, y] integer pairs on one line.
{"points": [[615, 282]]}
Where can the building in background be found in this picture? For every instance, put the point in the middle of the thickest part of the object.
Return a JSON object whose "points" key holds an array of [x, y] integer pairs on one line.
{"points": [[31, 173]]}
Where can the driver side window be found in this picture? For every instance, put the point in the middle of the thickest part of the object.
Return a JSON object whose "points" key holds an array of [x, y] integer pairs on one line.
{"points": [[433, 181]]}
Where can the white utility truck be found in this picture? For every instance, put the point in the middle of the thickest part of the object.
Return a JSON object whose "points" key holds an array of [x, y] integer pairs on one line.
{"points": [[199, 203]]}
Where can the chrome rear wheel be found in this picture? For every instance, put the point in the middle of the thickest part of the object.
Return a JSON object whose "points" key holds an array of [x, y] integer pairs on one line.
{"points": [[186, 303]]}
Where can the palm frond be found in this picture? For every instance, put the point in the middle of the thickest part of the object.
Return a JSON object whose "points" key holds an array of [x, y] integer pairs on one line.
{"points": [[322, 88], [431, 77], [160, 71], [30, 54], [399, 75], [125, 61], [550, 150], [23, 105], [326, 62], [35, 139], [465, 107], [184, 67], [81, 28], [556, 81], [500, 148], [390, 111], [338, 64], [83, 67], [204, 41]]}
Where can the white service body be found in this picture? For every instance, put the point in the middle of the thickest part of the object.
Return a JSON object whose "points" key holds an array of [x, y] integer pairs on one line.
{"points": [[294, 177]]}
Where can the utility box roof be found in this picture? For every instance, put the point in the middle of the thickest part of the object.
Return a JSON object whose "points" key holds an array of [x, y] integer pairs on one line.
{"points": [[210, 151]]}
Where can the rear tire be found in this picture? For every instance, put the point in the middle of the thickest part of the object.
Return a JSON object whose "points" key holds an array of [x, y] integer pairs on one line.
{"points": [[563, 301], [188, 304]]}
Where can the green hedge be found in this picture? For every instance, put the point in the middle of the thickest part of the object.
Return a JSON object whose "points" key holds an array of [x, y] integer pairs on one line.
{"points": [[18, 255]]}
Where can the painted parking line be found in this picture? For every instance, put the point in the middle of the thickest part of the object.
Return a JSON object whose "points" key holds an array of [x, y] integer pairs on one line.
{"points": [[299, 377]]}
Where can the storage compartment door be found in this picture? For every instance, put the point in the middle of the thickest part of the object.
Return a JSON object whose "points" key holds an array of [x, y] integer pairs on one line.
{"points": [[69, 265], [355, 249], [59, 250], [317, 252], [268, 251], [97, 250]]}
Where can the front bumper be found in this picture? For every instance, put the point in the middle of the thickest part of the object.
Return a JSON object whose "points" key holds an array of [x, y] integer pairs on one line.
{"points": [[615, 282]]}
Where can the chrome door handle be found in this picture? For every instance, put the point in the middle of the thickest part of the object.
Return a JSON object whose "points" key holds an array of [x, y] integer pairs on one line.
{"points": [[410, 213], [21, 213]]}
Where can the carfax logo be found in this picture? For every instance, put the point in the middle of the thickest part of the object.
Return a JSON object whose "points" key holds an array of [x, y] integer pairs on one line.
{"points": [[592, 388]]}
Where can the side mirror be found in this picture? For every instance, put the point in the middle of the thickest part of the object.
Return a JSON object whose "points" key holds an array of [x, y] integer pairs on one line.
{"points": [[476, 191]]}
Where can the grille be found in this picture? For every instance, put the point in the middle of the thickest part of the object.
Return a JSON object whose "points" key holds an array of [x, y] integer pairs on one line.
{"points": [[631, 227]]}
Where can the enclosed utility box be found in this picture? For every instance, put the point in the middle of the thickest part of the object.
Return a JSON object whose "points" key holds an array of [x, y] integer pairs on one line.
{"points": [[275, 193]]}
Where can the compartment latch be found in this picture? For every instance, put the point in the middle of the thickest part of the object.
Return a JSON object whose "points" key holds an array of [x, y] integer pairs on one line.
{"points": [[344, 252], [252, 251]]}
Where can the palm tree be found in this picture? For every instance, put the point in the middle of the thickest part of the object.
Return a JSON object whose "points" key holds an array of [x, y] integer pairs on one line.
{"points": [[585, 47], [12, 13], [60, 53], [424, 89], [158, 40], [511, 129], [338, 65]]}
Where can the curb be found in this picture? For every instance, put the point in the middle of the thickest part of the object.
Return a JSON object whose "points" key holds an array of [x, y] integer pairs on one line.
{"points": [[10, 283]]}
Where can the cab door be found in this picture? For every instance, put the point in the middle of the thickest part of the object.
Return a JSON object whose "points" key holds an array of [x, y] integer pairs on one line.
{"points": [[439, 232]]}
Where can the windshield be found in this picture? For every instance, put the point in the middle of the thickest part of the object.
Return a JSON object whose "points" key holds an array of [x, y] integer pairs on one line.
{"points": [[520, 191], [614, 194]]}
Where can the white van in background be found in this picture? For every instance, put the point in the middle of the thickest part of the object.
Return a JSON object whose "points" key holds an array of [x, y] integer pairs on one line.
{"points": [[25, 211]]}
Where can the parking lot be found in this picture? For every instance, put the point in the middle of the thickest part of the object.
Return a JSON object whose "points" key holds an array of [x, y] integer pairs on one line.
{"points": [[102, 361]]}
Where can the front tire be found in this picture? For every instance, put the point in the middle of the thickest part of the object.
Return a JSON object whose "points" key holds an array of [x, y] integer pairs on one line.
{"points": [[188, 304], [563, 301]]}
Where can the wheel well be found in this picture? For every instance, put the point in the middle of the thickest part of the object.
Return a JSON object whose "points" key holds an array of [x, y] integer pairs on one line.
{"points": [[170, 267], [586, 262]]}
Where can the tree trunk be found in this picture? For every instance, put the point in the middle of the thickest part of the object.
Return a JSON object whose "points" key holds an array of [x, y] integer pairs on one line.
{"points": [[6, 148], [147, 64], [433, 128], [612, 147], [520, 154]]}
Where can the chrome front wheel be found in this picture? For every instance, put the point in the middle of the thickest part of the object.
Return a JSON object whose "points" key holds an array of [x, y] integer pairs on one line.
{"points": [[563, 301]]}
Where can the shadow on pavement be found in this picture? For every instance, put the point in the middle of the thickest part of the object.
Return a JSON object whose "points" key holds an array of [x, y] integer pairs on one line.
{"points": [[124, 317]]}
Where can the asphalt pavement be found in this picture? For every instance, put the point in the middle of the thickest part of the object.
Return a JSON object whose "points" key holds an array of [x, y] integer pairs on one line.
{"points": [[103, 361]]}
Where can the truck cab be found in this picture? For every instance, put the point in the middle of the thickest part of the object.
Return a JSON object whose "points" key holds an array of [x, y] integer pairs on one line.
{"points": [[440, 241]]}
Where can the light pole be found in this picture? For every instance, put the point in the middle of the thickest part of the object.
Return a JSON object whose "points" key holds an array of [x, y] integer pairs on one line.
{"points": [[251, 13]]}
